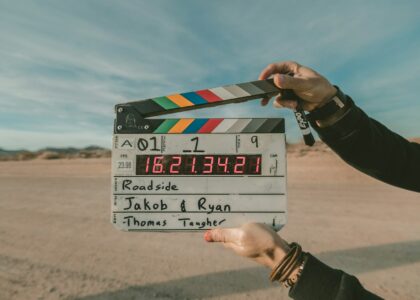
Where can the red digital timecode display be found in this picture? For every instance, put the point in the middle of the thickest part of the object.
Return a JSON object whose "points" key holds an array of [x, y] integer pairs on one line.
{"points": [[198, 164]]}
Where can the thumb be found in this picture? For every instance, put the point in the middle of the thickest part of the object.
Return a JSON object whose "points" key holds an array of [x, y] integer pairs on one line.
{"points": [[224, 235], [288, 82]]}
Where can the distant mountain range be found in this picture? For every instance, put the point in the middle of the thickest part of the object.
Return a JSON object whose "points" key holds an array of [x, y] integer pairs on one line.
{"points": [[98, 152], [298, 149], [55, 153]]}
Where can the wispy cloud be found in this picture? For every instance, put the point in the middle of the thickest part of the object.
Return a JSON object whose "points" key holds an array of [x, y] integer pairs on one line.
{"points": [[65, 64]]}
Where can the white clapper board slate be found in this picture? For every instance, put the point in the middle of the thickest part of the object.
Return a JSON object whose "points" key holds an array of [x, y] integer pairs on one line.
{"points": [[197, 174]]}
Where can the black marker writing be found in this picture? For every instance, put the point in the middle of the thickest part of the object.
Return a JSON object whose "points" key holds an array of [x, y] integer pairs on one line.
{"points": [[210, 208], [133, 221], [186, 222], [127, 184], [145, 205]]}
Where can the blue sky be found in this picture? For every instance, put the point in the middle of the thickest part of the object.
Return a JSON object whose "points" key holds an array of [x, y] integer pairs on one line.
{"points": [[65, 64]]}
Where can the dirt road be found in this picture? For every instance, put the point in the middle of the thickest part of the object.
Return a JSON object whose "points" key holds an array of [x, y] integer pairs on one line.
{"points": [[56, 241]]}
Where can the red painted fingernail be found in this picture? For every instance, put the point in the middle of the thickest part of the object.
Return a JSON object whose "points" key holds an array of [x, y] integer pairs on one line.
{"points": [[207, 236]]}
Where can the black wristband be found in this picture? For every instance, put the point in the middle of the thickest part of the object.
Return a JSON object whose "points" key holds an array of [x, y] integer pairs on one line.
{"points": [[342, 128], [336, 103]]}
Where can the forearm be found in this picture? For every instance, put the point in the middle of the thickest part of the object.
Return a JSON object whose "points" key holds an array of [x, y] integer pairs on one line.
{"points": [[373, 149], [318, 281]]}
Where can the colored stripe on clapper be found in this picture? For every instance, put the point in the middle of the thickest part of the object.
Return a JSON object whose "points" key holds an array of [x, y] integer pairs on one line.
{"points": [[165, 103], [180, 126], [166, 126], [180, 100], [194, 98], [195, 126], [239, 125], [209, 96], [224, 125], [210, 125]]}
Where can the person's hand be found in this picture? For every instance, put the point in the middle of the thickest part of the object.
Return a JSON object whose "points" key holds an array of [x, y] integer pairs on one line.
{"points": [[310, 86], [253, 240]]}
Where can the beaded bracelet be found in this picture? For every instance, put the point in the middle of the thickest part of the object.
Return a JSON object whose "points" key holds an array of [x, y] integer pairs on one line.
{"points": [[285, 263], [292, 280], [295, 258]]}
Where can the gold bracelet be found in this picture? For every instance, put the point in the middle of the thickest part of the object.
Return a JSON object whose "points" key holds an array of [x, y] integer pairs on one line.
{"points": [[290, 282], [296, 260], [289, 263], [283, 264]]}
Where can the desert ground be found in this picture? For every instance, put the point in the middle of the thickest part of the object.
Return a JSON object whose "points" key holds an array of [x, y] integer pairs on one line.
{"points": [[56, 240]]}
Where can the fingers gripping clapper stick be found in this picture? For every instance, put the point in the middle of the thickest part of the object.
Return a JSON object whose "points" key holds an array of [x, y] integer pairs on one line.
{"points": [[300, 116], [132, 116]]}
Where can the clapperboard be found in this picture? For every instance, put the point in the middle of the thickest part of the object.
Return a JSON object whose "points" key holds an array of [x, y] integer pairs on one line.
{"points": [[195, 173]]}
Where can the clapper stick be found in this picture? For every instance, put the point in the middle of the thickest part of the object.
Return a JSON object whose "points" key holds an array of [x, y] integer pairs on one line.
{"points": [[134, 115]]}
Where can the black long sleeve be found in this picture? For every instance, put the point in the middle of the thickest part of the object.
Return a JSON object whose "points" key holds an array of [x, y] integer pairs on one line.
{"points": [[320, 282], [373, 149]]}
